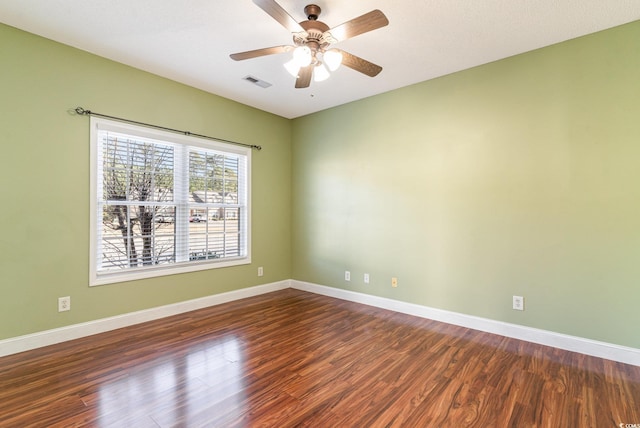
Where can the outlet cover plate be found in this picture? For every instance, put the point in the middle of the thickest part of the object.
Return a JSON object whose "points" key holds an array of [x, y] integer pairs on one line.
{"points": [[518, 303], [64, 304]]}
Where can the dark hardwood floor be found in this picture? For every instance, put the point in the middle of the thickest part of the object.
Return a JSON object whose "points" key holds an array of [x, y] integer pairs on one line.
{"points": [[292, 358]]}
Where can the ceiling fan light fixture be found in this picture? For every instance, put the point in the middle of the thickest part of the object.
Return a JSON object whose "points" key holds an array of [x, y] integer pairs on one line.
{"points": [[292, 67], [333, 59], [320, 73], [302, 56]]}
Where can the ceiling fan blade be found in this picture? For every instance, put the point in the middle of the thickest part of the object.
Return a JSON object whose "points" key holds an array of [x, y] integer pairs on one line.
{"points": [[260, 52], [362, 24], [304, 76], [279, 14], [359, 64]]}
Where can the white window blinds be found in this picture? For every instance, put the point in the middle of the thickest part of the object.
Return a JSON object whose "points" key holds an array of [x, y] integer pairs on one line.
{"points": [[165, 203]]}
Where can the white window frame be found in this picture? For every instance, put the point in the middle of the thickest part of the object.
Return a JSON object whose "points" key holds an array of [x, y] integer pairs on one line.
{"points": [[96, 277]]}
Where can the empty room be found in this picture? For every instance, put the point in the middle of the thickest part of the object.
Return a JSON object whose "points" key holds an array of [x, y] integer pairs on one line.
{"points": [[272, 213]]}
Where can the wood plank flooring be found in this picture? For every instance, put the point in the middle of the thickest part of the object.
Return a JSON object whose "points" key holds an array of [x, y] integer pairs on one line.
{"points": [[291, 358]]}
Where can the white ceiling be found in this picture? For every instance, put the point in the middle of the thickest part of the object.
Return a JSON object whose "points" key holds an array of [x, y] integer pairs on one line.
{"points": [[190, 40]]}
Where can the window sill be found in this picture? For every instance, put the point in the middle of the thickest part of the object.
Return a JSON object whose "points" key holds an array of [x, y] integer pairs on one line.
{"points": [[105, 278]]}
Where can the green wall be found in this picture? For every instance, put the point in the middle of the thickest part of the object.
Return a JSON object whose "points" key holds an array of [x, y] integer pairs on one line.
{"points": [[517, 177], [44, 182], [520, 177]]}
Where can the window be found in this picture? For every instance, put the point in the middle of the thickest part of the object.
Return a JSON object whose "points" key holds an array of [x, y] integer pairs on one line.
{"points": [[164, 203]]}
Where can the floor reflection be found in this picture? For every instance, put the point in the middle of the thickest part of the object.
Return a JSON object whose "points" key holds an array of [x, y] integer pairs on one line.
{"points": [[197, 387]]}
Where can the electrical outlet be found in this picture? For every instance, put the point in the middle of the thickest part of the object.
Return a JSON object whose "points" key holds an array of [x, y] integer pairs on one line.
{"points": [[347, 275], [64, 304], [260, 271], [366, 278], [394, 282], [518, 303]]}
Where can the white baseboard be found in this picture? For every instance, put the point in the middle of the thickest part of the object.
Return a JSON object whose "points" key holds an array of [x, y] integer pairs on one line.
{"points": [[76, 331], [557, 340], [570, 343]]}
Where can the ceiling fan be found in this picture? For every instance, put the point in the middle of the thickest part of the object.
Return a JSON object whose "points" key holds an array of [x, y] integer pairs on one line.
{"points": [[312, 39]]}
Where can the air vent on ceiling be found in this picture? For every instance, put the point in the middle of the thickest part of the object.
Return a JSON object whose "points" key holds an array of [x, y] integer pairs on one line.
{"points": [[257, 81]]}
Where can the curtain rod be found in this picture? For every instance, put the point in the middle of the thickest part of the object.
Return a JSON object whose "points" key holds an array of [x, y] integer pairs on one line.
{"points": [[82, 111]]}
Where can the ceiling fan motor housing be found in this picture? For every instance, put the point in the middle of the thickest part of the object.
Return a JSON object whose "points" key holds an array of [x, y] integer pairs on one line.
{"points": [[316, 33]]}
